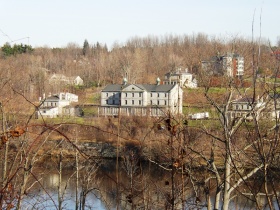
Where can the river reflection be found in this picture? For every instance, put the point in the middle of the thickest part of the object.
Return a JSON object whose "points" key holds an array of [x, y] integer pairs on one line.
{"points": [[142, 186]]}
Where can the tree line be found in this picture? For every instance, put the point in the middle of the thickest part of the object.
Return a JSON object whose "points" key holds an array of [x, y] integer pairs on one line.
{"points": [[141, 60]]}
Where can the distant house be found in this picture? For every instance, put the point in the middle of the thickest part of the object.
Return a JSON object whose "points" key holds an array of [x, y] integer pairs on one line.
{"points": [[62, 79], [247, 107], [57, 105], [78, 80], [183, 78], [276, 54], [141, 99], [273, 105], [231, 64]]}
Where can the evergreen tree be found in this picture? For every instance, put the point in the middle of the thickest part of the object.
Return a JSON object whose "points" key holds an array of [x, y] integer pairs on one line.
{"points": [[85, 47], [8, 50]]}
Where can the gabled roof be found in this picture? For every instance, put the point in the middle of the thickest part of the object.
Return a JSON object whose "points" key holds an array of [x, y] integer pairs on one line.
{"points": [[244, 100], [52, 98], [177, 73], [158, 88], [147, 87], [113, 88], [58, 76]]}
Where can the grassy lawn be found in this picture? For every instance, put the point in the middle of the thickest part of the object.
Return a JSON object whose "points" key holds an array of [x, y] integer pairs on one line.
{"points": [[90, 111]]}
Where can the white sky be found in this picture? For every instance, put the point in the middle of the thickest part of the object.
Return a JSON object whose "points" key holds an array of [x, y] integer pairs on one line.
{"points": [[55, 23]]}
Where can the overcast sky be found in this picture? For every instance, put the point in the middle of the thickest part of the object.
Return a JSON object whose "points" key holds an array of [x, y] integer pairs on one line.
{"points": [[55, 23]]}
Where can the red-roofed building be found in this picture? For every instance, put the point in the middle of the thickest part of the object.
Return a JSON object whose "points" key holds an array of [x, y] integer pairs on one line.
{"points": [[276, 54]]}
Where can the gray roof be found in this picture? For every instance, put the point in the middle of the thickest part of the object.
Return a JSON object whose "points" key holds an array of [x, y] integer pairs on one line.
{"points": [[158, 88], [113, 88], [243, 100], [52, 98], [147, 87], [177, 73]]}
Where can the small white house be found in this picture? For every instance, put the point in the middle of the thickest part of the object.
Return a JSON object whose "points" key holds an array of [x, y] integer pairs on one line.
{"points": [[246, 107], [54, 105], [62, 79], [183, 78], [78, 81]]}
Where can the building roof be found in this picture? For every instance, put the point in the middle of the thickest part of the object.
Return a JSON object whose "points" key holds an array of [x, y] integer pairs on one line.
{"points": [[52, 98], [147, 87], [177, 73], [244, 100]]}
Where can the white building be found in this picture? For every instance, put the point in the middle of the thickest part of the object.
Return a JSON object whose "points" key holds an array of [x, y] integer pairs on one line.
{"points": [[55, 105], [248, 108], [141, 99], [62, 79], [183, 78], [231, 64]]}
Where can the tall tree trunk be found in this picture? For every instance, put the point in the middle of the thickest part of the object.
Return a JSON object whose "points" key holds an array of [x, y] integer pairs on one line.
{"points": [[24, 182], [4, 174], [77, 175], [226, 195], [60, 183]]}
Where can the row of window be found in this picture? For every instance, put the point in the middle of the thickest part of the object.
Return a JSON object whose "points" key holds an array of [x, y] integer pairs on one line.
{"points": [[242, 107], [140, 102], [115, 95], [133, 102], [50, 104], [139, 94], [171, 83]]}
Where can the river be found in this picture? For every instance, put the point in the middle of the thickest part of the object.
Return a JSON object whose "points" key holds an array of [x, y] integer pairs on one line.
{"points": [[144, 186]]}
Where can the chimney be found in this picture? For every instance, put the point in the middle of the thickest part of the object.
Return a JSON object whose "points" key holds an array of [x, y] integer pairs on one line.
{"points": [[158, 81], [124, 81]]}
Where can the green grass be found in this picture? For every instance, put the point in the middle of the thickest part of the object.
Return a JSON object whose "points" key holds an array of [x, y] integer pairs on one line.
{"points": [[217, 90], [90, 111], [58, 120], [95, 99]]}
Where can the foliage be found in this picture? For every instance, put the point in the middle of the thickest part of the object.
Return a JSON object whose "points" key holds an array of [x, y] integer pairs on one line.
{"points": [[85, 47], [9, 50]]}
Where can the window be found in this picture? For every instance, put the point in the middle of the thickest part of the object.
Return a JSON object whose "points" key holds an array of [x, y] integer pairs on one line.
{"points": [[165, 102], [157, 102], [165, 95], [113, 101], [125, 94], [140, 94], [132, 94], [151, 95], [106, 101], [132, 102], [151, 102], [139, 102], [107, 94], [158, 95], [125, 102]]}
